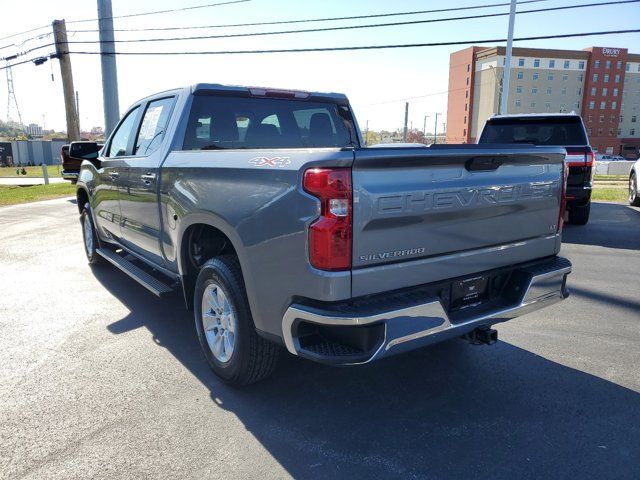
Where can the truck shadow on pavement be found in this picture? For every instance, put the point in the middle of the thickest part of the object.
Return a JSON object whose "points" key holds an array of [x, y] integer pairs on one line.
{"points": [[611, 225], [451, 410]]}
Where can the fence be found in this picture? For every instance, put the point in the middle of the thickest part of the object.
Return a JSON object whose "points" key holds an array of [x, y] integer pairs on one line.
{"points": [[31, 151]]}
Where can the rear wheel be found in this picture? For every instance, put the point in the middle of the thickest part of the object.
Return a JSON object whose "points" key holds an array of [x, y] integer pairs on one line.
{"points": [[89, 237], [634, 199], [233, 349], [580, 215]]}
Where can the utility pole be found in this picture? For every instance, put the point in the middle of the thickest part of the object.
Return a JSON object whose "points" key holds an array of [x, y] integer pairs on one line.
{"points": [[62, 49], [366, 133], [406, 119], [507, 61], [109, 70], [78, 109], [435, 130], [424, 128]]}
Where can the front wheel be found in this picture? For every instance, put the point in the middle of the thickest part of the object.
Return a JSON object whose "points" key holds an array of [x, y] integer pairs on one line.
{"points": [[89, 237], [580, 215], [634, 199], [233, 349]]}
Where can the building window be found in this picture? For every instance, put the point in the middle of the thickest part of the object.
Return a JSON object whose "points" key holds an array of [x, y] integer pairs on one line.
{"points": [[619, 64], [467, 80], [595, 77], [599, 132], [593, 91], [550, 76], [632, 131], [628, 68], [464, 132], [520, 75], [552, 64], [615, 92], [465, 119], [566, 64], [579, 91], [611, 131], [547, 105], [597, 64], [589, 118], [605, 90], [536, 63], [614, 105], [468, 67], [603, 105], [565, 77], [533, 104], [548, 91], [601, 118], [619, 131], [613, 118], [564, 91], [534, 89], [621, 118], [518, 88], [536, 76], [580, 77], [466, 106], [589, 131], [466, 94], [576, 106], [633, 119], [639, 67], [605, 78], [607, 64], [617, 79], [518, 103], [581, 64], [592, 105], [521, 62]]}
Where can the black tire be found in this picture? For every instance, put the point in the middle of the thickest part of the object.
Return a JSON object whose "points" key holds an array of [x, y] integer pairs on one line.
{"points": [[634, 197], [580, 215], [86, 221], [253, 358]]}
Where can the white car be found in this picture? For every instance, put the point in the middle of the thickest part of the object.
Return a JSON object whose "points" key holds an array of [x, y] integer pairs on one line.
{"points": [[634, 197]]}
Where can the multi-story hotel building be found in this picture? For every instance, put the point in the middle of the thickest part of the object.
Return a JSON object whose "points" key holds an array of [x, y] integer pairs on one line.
{"points": [[600, 84]]}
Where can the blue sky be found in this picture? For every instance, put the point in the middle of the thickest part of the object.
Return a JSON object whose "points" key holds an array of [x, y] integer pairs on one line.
{"points": [[371, 79]]}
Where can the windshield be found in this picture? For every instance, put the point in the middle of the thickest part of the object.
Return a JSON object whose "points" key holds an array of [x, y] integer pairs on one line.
{"points": [[543, 131]]}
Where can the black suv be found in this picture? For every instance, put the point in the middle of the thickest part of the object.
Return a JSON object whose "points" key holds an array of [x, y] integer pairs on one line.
{"points": [[559, 129]]}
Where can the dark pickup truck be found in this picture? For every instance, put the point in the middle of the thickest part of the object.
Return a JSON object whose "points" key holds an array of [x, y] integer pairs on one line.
{"points": [[556, 129], [263, 208], [72, 156]]}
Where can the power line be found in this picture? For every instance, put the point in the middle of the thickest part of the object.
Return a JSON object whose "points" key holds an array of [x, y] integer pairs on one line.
{"points": [[352, 27], [26, 31], [156, 12], [309, 20], [36, 37], [369, 47], [25, 52], [51, 55]]}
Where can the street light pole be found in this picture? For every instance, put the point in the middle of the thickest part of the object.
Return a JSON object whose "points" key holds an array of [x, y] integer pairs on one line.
{"points": [[435, 130], [108, 63], [424, 129], [406, 119], [507, 61]]}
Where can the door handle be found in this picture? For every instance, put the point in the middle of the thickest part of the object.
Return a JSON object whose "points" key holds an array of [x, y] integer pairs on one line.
{"points": [[148, 178], [114, 175]]}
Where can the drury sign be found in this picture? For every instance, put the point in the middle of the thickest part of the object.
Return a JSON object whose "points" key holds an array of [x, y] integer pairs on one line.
{"points": [[610, 52]]}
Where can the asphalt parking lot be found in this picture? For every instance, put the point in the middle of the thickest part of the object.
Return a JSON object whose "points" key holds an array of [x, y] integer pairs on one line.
{"points": [[100, 379]]}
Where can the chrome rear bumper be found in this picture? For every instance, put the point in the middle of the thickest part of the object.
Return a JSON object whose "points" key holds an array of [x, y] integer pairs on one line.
{"points": [[427, 322]]}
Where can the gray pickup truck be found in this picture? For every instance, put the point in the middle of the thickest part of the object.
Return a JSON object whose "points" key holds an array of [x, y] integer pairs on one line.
{"points": [[281, 230]]}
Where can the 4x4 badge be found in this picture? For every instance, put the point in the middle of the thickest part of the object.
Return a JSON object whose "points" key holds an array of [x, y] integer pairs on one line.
{"points": [[270, 162]]}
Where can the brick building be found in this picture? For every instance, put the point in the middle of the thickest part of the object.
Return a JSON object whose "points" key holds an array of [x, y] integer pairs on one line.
{"points": [[601, 84]]}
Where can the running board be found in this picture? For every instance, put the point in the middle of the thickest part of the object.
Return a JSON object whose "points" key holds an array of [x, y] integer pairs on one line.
{"points": [[149, 282]]}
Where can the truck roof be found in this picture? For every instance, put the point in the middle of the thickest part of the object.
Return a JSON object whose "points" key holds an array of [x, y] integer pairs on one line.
{"points": [[261, 91], [533, 115]]}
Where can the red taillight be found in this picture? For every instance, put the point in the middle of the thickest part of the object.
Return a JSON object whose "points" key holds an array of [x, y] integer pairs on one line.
{"points": [[580, 159], [563, 196], [330, 234]]}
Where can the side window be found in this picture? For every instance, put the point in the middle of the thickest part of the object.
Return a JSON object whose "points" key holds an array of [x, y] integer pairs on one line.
{"points": [[120, 139], [153, 125]]}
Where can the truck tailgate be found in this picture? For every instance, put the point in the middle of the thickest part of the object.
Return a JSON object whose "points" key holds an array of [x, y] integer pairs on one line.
{"points": [[422, 215]]}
